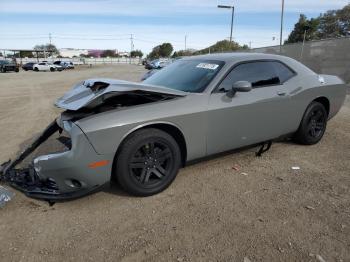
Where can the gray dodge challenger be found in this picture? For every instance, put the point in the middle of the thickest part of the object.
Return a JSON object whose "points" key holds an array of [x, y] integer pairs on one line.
{"points": [[140, 134]]}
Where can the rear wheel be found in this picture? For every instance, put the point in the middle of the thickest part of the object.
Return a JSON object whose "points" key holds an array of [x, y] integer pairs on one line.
{"points": [[3, 70], [52, 69], [36, 69], [313, 124], [148, 162]]}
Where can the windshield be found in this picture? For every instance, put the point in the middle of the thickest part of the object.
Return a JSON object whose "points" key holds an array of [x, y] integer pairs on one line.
{"points": [[186, 75], [3, 62]]}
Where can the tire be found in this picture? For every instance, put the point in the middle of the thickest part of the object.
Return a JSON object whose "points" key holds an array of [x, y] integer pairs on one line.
{"points": [[148, 162], [313, 125], [16, 70], [52, 69], [25, 69], [3, 70], [36, 69]]}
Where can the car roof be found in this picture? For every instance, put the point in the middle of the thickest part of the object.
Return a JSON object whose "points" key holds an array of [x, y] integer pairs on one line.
{"points": [[228, 57]]}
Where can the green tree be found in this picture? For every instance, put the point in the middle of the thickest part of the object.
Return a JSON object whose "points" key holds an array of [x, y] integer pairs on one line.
{"points": [[310, 26], [163, 50], [180, 53], [333, 23], [136, 53], [221, 46]]}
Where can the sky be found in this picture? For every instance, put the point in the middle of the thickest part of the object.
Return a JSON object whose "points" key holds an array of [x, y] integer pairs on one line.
{"points": [[109, 24]]}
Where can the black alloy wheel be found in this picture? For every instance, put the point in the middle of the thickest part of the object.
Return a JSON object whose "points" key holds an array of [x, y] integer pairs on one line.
{"points": [[148, 162], [313, 124]]}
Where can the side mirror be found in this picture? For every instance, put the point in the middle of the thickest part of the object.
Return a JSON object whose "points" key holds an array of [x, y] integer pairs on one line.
{"points": [[240, 86]]}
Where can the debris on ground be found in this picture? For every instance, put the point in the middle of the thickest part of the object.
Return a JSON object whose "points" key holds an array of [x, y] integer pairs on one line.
{"points": [[320, 259], [5, 196], [244, 174], [246, 259], [295, 168], [236, 167], [310, 208]]}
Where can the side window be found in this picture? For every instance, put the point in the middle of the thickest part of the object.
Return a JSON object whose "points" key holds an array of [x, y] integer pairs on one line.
{"points": [[283, 72], [42, 64], [259, 74]]}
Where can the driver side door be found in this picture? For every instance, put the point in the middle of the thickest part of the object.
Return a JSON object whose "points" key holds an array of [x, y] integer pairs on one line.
{"points": [[251, 117]]}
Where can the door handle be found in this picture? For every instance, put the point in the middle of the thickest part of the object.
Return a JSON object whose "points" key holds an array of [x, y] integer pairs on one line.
{"points": [[281, 93]]}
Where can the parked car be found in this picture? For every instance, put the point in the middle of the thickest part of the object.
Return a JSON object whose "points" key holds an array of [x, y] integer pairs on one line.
{"points": [[141, 133], [158, 63], [64, 64], [7, 66], [28, 66], [46, 66]]}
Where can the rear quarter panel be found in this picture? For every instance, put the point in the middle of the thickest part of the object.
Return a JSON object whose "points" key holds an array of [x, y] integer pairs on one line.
{"points": [[308, 88]]}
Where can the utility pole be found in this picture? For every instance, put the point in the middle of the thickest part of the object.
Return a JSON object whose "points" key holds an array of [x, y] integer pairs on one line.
{"points": [[281, 33], [131, 45], [185, 42], [50, 38], [250, 44]]}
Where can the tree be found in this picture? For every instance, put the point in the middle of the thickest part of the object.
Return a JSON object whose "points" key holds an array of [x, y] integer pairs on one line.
{"points": [[108, 53], [28, 54], [50, 48], [333, 23], [310, 26], [180, 53], [136, 53], [221, 46], [163, 50]]}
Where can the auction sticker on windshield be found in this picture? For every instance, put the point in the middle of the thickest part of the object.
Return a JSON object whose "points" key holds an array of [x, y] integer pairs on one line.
{"points": [[207, 66]]}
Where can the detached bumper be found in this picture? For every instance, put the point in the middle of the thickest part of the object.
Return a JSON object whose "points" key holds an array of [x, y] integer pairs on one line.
{"points": [[58, 176]]}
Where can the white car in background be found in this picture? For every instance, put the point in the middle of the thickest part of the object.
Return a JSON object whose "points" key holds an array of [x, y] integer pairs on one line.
{"points": [[45, 66]]}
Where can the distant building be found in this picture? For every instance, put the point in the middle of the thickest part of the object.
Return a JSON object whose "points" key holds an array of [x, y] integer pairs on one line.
{"points": [[70, 52]]}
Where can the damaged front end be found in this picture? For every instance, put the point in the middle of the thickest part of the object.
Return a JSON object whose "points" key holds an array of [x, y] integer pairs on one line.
{"points": [[56, 176], [77, 169]]}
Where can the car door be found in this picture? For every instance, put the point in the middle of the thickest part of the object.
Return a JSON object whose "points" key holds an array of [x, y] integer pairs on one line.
{"points": [[42, 66], [251, 117]]}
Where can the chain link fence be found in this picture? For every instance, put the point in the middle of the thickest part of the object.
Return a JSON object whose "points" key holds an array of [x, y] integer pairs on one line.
{"points": [[330, 56]]}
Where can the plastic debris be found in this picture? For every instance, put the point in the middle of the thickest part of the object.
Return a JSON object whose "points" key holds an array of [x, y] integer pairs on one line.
{"points": [[5, 196], [295, 167], [320, 259], [246, 259], [236, 167], [310, 207]]}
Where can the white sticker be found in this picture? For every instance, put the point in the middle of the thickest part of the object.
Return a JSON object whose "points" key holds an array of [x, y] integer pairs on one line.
{"points": [[207, 66]]}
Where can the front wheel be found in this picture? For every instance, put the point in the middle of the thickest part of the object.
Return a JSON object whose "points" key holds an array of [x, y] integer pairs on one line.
{"points": [[313, 125], [3, 70], [52, 69], [36, 69], [148, 162]]}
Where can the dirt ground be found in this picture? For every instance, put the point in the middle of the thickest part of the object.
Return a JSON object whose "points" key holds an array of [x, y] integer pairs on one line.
{"points": [[265, 211]]}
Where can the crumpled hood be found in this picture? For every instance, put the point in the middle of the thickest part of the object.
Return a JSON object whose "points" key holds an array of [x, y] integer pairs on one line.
{"points": [[87, 91]]}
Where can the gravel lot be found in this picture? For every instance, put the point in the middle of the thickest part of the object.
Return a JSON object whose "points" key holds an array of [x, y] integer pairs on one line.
{"points": [[211, 212]]}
